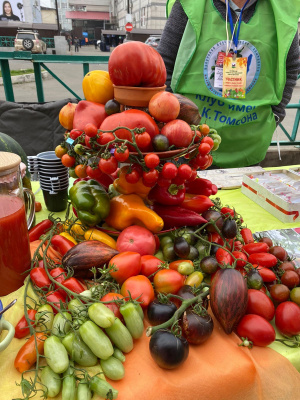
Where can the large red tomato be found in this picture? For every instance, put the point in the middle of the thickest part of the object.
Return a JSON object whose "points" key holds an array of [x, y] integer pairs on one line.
{"points": [[287, 318], [168, 281], [257, 329], [138, 239], [88, 112], [136, 64], [114, 307], [139, 287], [178, 133], [126, 264], [131, 119], [260, 304]]}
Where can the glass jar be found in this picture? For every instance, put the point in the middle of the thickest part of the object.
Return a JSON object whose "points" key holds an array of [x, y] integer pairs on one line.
{"points": [[15, 256]]}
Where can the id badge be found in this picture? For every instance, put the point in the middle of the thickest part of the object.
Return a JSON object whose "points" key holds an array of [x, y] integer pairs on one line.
{"points": [[234, 77]]}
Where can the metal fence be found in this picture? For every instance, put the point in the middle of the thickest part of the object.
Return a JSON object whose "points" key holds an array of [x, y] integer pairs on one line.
{"points": [[39, 61], [9, 41]]}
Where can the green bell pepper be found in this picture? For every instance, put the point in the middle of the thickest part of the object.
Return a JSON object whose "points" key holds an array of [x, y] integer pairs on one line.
{"points": [[91, 201]]}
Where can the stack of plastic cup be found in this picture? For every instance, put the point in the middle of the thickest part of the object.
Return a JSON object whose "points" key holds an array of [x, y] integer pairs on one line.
{"points": [[54, 180]]}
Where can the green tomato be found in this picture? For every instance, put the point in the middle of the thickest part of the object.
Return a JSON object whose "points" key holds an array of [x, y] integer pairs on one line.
{"points": [[61, 324], [79, 149], [44, 318], [56, 354], [72, 173], [103, 388], [83, 391], [101, 315], [79, 351], [113, 368], [295, 295], [96, 340], [169, 252], [69, 385], [165, 240], [216, 145], [160, 255], [51, 380], [120, 336], [185, 268]]}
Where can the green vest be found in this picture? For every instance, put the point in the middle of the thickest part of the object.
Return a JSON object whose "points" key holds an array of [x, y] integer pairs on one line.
{"points": [[245, 125]]}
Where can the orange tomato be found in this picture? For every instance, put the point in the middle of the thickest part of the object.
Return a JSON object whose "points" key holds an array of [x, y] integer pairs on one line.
{"points": [[60, 151], [204, 129], [168, 281], [174, 264], [68, 161], [140, 288], [80, 171], [27, 354]]}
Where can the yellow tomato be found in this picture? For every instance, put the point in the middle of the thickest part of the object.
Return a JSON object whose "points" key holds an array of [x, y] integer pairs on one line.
{"points": [[94, 234], [194, 279], [98, 87]]}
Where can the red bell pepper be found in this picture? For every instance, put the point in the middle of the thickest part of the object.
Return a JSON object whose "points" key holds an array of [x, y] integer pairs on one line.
{"points": [[200, 186], [167, 196], [22, 328], [198, 203], [38, 230], [176, 217], [88, 112], [40, 278]]}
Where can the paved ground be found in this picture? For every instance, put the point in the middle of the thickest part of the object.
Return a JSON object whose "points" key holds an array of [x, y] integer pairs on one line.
{"points": [[72, 75]]}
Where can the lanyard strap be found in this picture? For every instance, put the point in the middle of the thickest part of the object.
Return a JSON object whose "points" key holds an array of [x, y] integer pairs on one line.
{"points": [[235, 35]]}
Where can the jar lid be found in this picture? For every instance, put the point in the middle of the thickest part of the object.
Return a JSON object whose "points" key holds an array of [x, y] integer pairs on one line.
{"points": [[9, 161]]}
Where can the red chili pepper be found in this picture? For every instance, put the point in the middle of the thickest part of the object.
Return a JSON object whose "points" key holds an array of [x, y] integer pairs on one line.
{"points": [[214, 189], [167, 196], [247, 235], [56, 297], [258, 247], [242, 258], [38, 230], [227, 211], [224, 257], [198, 203], [61, 244], [264, 259], [214, 237], [174, 216], [40, 278], [199, 186], [22, 328], [74, 285]]}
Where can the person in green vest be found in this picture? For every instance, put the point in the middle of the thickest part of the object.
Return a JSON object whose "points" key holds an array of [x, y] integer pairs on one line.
{"points": [[263, 31]]}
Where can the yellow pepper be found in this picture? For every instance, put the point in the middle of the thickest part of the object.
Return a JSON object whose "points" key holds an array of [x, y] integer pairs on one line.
{"points": [[95, 234], [129, 209], [122, 186], [68, 236], [195, 279], [75, 228]]}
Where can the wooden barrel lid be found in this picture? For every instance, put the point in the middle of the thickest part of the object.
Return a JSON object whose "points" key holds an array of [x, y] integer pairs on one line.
{"points": [[9, 161]]}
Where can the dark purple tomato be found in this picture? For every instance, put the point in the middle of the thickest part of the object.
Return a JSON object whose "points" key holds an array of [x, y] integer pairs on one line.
{"points": [[254, 279], [186, 292], [167, 350], [159, 313], [214, 216], [181, 247], [209, 265], [229, 229], [196, 328]]}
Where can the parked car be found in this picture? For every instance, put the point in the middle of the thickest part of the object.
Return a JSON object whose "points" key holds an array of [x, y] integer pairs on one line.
{"points": [[28, 40], [153, 41]]}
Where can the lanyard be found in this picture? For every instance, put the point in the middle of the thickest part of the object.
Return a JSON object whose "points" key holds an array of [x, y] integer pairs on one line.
{"points": [[235, 34]]}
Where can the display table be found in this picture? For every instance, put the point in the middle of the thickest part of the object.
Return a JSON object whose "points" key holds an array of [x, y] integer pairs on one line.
{"points": [[217, 370]]}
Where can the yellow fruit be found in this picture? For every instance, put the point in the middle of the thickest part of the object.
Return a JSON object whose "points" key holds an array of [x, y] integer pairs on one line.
{"points": [[94, 234], [97, 87]]}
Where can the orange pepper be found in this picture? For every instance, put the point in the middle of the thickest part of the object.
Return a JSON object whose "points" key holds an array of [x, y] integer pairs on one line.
{"points": [[122, 186], [129, 209]]}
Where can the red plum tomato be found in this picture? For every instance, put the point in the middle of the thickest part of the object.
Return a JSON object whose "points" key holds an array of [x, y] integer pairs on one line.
{"points": [[260, 304], [114, 307], [287, 318], [256, 329], [150, 265]]}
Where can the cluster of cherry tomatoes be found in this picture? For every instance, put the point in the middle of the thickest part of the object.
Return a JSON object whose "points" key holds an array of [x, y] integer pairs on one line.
{"points": [[89, 143]]}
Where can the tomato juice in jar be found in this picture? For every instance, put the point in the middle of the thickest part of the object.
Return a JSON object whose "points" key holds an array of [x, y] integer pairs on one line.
{"points": [[14, 241]]}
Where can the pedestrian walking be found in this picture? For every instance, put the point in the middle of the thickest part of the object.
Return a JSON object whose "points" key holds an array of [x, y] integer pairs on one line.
{"points": [[76, 42], [69, 40], [86, 41]]}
